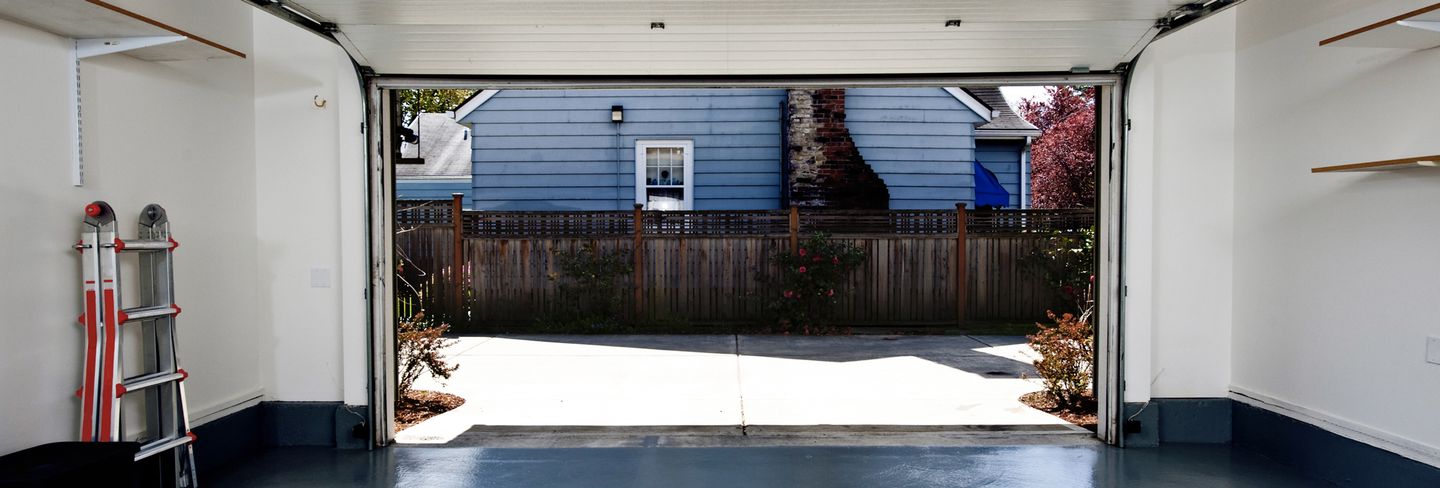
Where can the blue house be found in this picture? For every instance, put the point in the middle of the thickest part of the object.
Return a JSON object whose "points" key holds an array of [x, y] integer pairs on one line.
{"points": [[728, 149]]}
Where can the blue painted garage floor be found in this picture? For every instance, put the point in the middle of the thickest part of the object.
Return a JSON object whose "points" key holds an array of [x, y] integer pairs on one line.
{"points": [[990, 466]]}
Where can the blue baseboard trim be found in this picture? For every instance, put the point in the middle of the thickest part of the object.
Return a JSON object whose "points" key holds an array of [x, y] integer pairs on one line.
{"points": [[298, 423], [241, 434], [1178, 420], [1324, 454], [1195, 420], [228, 439]]}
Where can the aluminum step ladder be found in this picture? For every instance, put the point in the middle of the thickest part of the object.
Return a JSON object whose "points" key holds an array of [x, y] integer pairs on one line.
{"points": [[167, 424]]}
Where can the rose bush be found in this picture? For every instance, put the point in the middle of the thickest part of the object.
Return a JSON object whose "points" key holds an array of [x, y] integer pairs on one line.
{"points": [[812, 280]]}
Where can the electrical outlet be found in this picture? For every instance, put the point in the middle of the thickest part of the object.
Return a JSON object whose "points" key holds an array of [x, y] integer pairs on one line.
{"points": [[1432, 350], [319, 277]]}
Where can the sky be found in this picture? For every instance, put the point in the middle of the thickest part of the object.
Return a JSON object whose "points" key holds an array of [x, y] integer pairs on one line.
{"points": [[1014, 94]]}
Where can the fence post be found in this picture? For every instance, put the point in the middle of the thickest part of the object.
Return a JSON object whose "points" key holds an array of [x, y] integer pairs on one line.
{"points": [[457, 228], [794, 229], [962, 265], [637, 252]]}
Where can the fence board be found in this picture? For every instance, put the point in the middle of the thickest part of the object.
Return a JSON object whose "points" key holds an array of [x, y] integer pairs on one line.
{"points": [[713, 267]]}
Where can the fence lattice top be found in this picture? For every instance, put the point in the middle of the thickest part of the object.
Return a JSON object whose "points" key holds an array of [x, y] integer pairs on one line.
{"points": [[511, 224]]}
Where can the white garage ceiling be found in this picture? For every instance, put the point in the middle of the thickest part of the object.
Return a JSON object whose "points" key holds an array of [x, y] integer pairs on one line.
{"points": [[739, 37]]}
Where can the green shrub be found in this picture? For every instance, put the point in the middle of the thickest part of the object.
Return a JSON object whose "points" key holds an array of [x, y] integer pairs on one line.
{"points": [[1066, 260], [812, 280], [1067, 352], [420, 342], [591, 291]]}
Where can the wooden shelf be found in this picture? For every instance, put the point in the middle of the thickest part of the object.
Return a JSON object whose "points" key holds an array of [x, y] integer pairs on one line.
{"points": [[1417, 29], [97, 19], [1387, 165]]}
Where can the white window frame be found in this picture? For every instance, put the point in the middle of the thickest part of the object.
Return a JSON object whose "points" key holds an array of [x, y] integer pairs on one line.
{"points": [[688, 146]]}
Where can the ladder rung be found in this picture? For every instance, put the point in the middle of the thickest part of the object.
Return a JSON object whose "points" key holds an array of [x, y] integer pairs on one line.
{"points": [[142, 313], [148, 380], [162, 445], [145, 244]]}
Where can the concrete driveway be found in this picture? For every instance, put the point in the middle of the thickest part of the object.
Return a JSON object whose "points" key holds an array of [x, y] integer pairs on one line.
{"points": [[734, 381]]}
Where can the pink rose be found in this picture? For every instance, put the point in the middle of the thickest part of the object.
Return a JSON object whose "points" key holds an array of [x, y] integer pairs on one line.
{"points": [[835, 261], [802, 269], [789, 293], [802, 251], [830, 293]]}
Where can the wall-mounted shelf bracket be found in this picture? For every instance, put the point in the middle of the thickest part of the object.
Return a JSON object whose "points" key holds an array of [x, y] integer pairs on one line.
{"points": [[88, 48], [99, 27], [1429, 25]]}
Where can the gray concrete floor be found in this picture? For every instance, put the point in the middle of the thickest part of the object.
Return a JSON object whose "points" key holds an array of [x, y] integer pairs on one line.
{"points": [[990, 466], [729, 380]]}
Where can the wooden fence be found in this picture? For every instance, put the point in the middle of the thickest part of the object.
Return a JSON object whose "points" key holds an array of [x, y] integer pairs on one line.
{"points": [[712, 267]]}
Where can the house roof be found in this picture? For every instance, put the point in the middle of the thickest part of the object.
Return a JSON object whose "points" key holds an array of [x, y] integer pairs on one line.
{"points": [[1005, 121], [444, 144]]}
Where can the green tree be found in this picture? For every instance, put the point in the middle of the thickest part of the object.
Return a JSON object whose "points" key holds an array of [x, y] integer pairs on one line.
{"points": [[412, 102]]}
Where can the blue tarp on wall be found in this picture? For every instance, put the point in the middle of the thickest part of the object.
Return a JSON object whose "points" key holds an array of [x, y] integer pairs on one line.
{"points": [[988, 191]]}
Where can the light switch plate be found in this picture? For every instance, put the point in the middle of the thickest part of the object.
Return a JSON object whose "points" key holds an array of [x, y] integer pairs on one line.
{"points": [[1432, 350], [319, 277]]}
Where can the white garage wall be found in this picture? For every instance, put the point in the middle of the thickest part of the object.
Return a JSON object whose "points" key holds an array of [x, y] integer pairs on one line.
{"points": [[1337, 279], [310, 175], [1179, 197], [180, 134]]}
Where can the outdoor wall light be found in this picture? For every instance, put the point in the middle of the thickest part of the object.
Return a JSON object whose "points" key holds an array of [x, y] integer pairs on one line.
{"points": [[952, 23], [617, 113]]}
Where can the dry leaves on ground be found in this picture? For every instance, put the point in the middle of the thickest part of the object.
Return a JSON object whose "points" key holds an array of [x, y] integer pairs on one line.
{"points": [[1083, 416], [419, 405]]}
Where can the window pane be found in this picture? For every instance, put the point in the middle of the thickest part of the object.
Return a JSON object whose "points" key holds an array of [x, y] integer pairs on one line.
{"points": [[664, 198]]}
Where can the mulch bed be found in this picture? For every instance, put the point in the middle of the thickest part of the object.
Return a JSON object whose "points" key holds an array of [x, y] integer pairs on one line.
{"points": [[419, 405], [1083, 416]]}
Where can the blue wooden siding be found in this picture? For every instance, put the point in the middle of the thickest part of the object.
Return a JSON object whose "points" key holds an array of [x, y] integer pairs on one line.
{"points": [[921, 141], [558, 150], [1002, 157], [431, 189]]}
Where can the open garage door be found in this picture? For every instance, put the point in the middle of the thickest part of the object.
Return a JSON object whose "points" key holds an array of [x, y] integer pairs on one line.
{"points": [[686, 44]]}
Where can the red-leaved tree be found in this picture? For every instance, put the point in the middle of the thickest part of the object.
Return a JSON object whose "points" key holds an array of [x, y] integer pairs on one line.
{"points": [[1062, 167]]}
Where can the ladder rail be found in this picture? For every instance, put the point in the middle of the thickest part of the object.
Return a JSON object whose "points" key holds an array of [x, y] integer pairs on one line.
{"points": [[170, 420], [166, 421]]}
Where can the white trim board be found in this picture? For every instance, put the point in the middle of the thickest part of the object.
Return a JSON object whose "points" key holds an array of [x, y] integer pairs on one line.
{"points": [[234, 404], [474, 103], [1344, 428], [977, 106]]}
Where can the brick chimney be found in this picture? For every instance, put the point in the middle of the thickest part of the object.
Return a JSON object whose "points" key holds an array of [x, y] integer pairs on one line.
{"points": [[826, 169]]}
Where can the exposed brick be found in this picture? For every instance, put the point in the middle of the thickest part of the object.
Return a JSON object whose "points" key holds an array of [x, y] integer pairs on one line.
{"points": [[826, 167]]}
